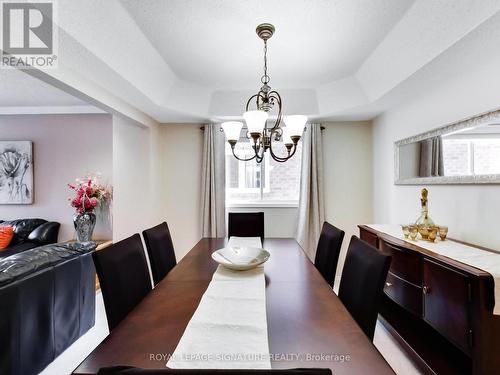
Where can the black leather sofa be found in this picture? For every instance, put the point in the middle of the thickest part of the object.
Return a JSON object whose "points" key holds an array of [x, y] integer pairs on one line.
{"points": [[28, 234], [47, 301]]}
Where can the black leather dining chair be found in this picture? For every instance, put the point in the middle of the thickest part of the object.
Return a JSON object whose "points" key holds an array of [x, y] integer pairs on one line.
{"points": [[246, 224], [160, 251], [124, 277], [127, 370], [362, 283], [328, 251]]}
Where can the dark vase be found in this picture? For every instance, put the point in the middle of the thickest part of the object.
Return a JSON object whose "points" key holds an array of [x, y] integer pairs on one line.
{"points": [[84, 226]]}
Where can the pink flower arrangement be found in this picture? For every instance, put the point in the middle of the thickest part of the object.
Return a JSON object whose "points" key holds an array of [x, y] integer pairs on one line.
{"points": [[90, 194]]}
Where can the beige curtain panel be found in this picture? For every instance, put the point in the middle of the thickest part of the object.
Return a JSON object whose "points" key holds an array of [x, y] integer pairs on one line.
{"points": [[431, 157], [213, 183], [311, 212]]}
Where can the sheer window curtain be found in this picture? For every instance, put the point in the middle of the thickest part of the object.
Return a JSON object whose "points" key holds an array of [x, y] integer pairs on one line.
{"points": [[311, 211], [213, 204]]}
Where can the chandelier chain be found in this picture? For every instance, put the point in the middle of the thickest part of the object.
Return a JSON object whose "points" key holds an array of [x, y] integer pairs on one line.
{"points": [[265, 78]]}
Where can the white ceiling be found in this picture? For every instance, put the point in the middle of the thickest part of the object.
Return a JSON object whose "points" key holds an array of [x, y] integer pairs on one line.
{"points": [[214, 44], [22, 93], [20, 89], [199, 60]]}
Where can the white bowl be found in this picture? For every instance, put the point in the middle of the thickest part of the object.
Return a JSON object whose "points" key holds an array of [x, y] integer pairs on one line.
{"points": [[240, 258]]}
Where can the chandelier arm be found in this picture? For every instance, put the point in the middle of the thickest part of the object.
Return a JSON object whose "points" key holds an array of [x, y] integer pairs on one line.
{"points": [[256, 96], [261, 156], [277, 134], [242, 159], [280, 159], [275, 95], [257, 147], [262, 149]]}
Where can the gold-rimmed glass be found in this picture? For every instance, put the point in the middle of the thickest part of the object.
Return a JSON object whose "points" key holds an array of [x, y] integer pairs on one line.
{"points": [[443, 232], [406, 230], [413, 232], [433, 231]]}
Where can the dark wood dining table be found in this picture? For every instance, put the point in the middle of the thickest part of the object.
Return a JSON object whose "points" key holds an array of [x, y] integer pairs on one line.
{"points": [[308, 326]]}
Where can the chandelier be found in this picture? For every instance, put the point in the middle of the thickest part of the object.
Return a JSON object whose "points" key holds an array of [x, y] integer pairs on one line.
{"points": [[261, 135]]}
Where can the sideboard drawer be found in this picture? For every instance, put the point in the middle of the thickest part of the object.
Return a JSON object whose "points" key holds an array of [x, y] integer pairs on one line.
{"points": [[403, 293], [405, 264]]}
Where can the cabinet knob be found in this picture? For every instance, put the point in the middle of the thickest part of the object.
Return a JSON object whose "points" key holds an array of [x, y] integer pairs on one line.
{"points": [[427, 290]]}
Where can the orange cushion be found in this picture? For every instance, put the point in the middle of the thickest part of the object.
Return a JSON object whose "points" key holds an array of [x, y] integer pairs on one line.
{"points": [[6, 235]]}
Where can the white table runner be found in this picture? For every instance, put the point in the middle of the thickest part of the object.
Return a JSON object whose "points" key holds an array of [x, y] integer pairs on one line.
{"points": [[229, 328], [484, 260]]}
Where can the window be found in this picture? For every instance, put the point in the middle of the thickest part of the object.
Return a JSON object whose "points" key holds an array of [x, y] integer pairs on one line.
{"points": [[266, 183], [465, 156]]}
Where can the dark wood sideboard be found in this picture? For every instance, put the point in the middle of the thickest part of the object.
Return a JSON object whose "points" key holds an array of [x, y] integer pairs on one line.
{"points": [[440, 310]]}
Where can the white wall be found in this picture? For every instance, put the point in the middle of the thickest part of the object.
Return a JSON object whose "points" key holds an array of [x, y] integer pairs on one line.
{"points": [[65, 147], [137, 178], [472, 212], [182, 146], [347, 152]]}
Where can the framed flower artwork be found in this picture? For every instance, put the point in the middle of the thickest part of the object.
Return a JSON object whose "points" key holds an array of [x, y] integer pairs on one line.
{"points": [[16, 172]]}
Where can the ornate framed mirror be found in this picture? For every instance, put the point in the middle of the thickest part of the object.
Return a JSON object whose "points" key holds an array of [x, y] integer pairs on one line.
{"points": [[465, 152]]}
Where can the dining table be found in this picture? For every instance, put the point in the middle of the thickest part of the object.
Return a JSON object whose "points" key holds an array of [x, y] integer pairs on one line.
{"points": [[308, 326]]}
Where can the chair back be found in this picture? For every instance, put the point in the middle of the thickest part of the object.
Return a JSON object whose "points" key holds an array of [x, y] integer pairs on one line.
{"points": [[160, 251], [127, 370], [362, 283], [246, 224], [328, 251], [124, 277]]}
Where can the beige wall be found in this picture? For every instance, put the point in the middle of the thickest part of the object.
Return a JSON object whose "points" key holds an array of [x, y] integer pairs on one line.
{"points": [[157, 174], [182, 146], [65, 147], [137, 176], [472, 212], [347, 152]]}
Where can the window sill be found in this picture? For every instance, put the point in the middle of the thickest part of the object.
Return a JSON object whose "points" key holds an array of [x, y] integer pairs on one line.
{"points": [[263, 204]]}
